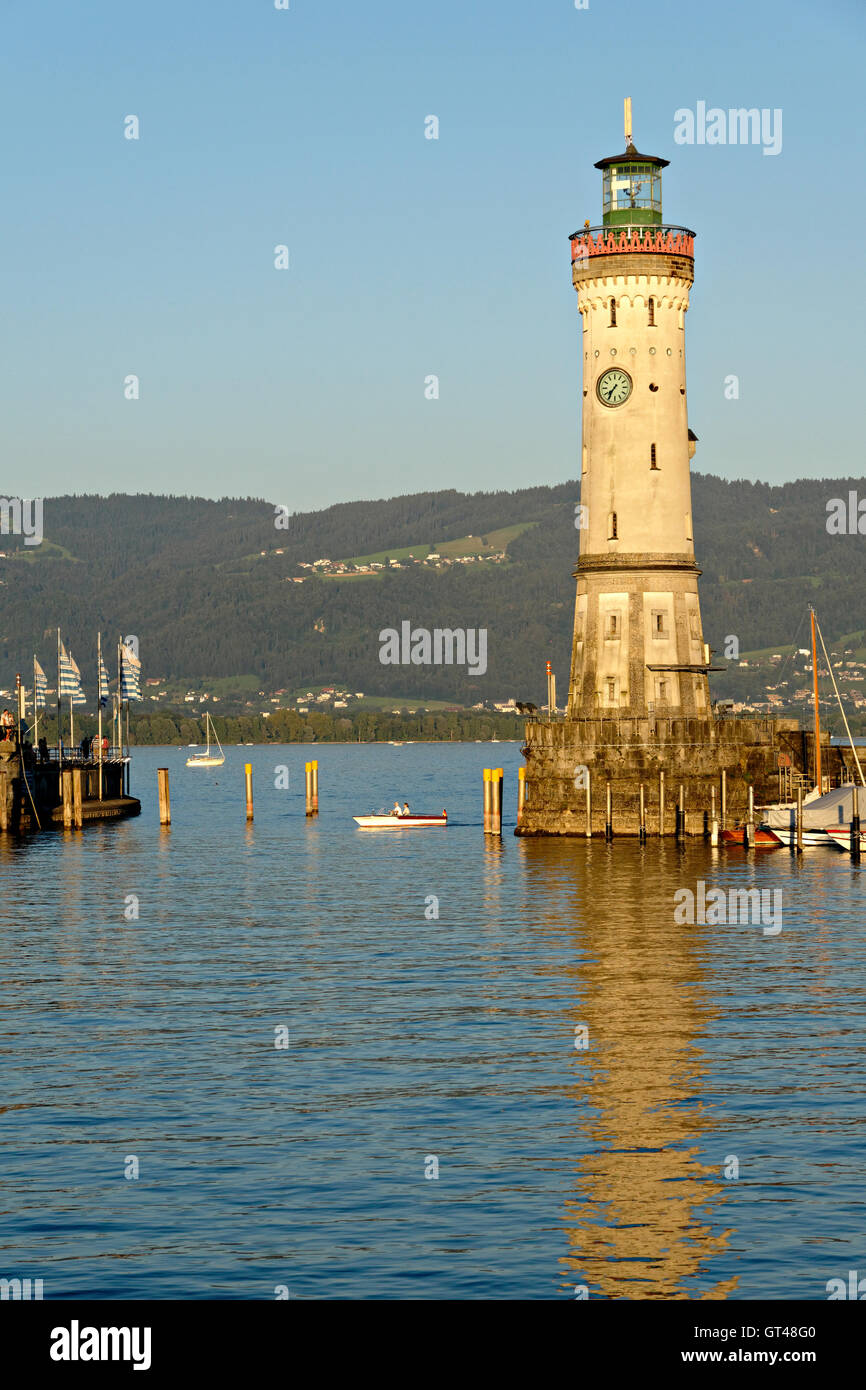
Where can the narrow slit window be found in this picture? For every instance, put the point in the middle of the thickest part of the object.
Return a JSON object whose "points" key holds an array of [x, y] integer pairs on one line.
{"points": [[613, 626], [613, 313], [652, 313], [653, 463], [611, 530], [611, 692]]}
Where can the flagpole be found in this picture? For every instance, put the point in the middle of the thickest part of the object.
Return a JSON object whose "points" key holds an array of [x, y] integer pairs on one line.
{"points": [[35, 707], [119, 705], [99, 702], [59, 706]]}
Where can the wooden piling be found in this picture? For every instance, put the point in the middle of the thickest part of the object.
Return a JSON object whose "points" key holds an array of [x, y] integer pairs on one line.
{"points": [[608, 815], [749, 839], [496, 780], [311, 775], [642, 835], [679, 826], [66, 793], [855, 827], [487, 800], [588, 804], [724, 805], [661, 803], [799, 820], [248, 774], [77, 805], [714, 824], [164, 800], [521, 792]]}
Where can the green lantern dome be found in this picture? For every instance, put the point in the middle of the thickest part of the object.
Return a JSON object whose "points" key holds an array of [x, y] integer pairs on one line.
{"points": [[632, 188]]}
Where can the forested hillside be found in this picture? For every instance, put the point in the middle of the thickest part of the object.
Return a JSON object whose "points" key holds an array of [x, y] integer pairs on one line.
{"points": [[189, 578]]}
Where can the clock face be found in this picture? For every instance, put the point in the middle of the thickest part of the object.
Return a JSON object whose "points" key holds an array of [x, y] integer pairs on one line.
{"points": [[614, 386]]}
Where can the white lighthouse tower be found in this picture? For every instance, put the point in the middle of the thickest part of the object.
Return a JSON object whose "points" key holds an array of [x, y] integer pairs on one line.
{"points": [[638, 645]]}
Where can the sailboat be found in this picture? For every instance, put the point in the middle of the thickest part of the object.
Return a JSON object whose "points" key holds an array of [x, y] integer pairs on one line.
{"points": [[208, 759], [826, 813]]}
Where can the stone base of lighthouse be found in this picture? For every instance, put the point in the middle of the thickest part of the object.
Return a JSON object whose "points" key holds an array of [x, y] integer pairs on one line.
{"points": [[628, 753]]}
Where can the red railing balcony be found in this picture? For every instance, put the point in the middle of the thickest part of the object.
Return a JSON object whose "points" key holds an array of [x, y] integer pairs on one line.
{"points": [[623, 241]]}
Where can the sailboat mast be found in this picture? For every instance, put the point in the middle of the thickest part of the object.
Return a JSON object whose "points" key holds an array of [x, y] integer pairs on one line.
{"points": [[817, 714], [839, 701]]}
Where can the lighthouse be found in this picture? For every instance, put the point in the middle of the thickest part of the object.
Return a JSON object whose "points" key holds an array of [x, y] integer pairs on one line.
{"points": [[638, 644], [640, 749]]}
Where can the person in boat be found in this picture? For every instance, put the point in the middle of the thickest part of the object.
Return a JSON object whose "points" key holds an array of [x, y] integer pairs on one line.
{"points": [[406, 811], [395, 809]]}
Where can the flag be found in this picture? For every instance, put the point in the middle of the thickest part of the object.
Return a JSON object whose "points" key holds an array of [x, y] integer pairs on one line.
{"points": [[70, 679], [40, 685], [130, 674], [104, 692]]}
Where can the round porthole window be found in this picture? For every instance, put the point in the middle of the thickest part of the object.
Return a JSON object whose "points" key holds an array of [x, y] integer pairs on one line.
{"points": [[652, 352]]}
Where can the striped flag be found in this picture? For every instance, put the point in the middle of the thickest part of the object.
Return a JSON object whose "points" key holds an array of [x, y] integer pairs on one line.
{"points": [[40, 685], [70, 679], [130, 674], [104, 692]]}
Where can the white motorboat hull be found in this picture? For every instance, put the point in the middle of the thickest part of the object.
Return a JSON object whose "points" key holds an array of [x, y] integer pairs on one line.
{"points": [[842, 838], [392, 822], [812, 839]]}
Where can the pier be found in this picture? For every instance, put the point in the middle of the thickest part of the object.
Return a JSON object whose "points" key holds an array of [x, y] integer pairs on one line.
{"points": [[48, 787]]}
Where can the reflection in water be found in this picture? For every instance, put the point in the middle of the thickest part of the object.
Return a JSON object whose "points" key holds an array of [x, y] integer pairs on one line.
{"points": [[415, 1033], [637, 1226]]}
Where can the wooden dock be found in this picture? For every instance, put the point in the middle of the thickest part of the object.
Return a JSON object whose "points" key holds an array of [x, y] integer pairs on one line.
{"points": [[60, 787]]}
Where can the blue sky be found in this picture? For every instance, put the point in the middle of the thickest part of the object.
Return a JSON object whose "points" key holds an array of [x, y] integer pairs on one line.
{"points": [[408, 256]]}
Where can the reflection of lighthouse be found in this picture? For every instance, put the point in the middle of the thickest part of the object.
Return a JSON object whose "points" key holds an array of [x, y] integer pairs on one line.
{"points": [[639, 1223]]}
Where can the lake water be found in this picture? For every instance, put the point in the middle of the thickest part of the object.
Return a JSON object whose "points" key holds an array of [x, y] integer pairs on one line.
{"points": [[413, 1038]]}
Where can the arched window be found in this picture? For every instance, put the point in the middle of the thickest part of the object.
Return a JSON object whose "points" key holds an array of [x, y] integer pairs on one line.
{"points": [[652, 313], [653, 463], [613, 313]]}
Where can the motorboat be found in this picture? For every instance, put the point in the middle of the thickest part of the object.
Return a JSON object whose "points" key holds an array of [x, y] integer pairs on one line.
{"points": [[389, 820]]}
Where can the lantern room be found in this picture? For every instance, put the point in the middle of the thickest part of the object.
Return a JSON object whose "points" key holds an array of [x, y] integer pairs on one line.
{"points": [[632, 189]]}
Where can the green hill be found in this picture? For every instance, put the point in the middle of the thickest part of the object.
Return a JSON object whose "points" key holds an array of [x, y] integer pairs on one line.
{"points": [[188, 576]]}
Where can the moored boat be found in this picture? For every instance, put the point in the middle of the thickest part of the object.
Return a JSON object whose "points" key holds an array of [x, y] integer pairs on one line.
{"points": [[841, 836], [765, 838], [207, 759]]}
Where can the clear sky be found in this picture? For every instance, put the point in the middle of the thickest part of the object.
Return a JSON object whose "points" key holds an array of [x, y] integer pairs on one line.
{"points": [[408, 256]]}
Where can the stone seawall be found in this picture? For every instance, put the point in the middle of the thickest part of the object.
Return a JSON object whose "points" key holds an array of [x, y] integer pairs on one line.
{"points": [[562, 755]]}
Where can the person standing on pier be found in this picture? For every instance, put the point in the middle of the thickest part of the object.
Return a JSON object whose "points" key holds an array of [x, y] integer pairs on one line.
{"points": [[7, 724]]}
